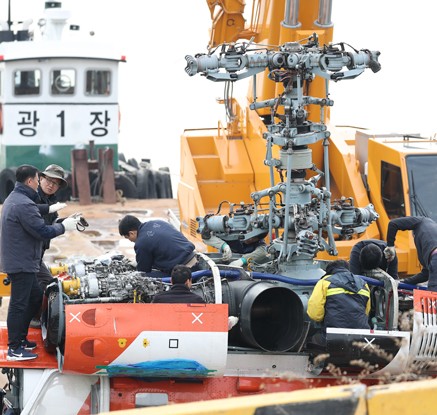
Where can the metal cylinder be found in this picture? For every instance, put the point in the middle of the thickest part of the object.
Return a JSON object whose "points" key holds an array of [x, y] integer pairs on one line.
{"points": [[217, 223], [291, 13], [271, 315], [300, 159], [325, 9]]}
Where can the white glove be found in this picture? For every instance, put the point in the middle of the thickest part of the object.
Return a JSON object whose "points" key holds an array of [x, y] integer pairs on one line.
{"points": [[56, 206], [241, 262], [232, 321], [390, 253], [226, 252], [71, 222], [219, 244]]}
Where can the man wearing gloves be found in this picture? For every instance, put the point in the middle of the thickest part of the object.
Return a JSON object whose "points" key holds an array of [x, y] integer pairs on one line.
{"points": [[368, 255], [50, 181], [252, 249], [425, 238], [23, 231]]}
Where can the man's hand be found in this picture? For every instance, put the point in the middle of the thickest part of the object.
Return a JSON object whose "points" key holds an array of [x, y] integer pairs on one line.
{"points": [[390, 253], [222, 246], [232, 321], [226, 252], [241, 262], [56, 206], [70, 223]]}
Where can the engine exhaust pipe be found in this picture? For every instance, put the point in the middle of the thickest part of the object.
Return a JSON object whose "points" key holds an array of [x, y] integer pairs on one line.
{"points": [[271, 315]]}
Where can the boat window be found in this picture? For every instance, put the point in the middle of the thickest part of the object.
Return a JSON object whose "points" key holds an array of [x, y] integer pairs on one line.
{"points": [[27, 82], [422, 170], [392, 190], [63, 81], [98, 82]]}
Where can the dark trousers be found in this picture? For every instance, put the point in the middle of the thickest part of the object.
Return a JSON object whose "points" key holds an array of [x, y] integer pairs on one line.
{"points": [[24, 303], [44, 276]]}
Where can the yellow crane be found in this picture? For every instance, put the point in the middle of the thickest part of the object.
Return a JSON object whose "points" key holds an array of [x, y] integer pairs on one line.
{"points": [[233, 161]]}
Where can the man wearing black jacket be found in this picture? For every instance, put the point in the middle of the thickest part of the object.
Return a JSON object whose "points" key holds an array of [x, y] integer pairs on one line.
{"points": [[23, 231], [425, 238], [159, 246], [368, 255], [180, 291]]}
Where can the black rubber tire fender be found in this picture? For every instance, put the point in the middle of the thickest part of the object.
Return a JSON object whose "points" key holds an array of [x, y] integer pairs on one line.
{"points": [[133, 163], [160, 194], [166, 182], [53, 323], [126, 185], [145, 184]]}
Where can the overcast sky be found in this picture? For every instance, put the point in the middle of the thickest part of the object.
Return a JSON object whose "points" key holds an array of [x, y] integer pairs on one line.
{"points": [[158, 100]]}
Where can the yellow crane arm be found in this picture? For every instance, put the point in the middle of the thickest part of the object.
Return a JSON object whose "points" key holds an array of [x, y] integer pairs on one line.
{"points": [[228, 22]]}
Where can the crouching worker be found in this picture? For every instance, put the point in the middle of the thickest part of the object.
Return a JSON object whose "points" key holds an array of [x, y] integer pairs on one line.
{"points": [[253, 249], [368, 255], [340, 299], [180, 291], [159, 246]]}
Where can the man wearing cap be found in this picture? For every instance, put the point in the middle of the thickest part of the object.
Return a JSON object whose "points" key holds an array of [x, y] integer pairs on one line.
{"points": [[50, 181]]}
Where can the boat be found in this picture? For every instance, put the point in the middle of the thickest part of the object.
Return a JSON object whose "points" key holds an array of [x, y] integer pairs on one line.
{"points": [[59, 104], [105, 342]]}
